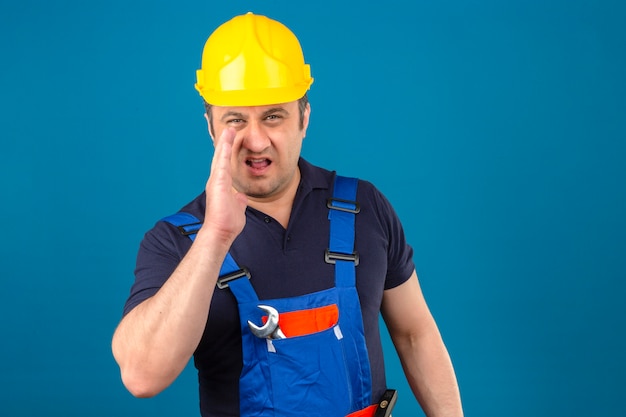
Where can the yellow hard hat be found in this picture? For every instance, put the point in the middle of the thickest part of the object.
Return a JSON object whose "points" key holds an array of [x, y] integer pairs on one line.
{"points": [[252, 60]]}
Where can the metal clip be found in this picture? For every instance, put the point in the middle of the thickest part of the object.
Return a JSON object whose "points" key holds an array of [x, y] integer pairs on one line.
{"points": [[332, 257], [222, 282]]}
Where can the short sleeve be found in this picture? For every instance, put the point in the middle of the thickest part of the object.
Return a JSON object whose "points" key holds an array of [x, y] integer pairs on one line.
{"points": [[400, 264], [160, 252]]}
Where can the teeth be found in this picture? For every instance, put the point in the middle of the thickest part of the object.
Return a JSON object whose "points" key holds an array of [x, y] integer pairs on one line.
{"points": [[257, 161]]}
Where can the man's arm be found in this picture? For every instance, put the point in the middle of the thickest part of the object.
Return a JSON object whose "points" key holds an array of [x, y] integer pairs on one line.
{"points": [[154, 341], [423, 355]]}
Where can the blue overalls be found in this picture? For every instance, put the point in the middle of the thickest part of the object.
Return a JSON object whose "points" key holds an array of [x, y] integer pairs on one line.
{"points": [[324, 373]]}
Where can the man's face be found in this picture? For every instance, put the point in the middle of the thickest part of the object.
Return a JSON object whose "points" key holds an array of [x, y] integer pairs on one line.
{"points": [[264, 163]]}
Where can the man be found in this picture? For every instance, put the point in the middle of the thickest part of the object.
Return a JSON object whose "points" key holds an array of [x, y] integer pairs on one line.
{"points": [[292, 326]]}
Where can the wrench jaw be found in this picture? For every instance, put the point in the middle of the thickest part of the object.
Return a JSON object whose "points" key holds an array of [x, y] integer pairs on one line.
{"points": [[270, 329]]}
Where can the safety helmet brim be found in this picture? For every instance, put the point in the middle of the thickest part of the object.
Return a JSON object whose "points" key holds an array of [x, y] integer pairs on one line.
{"points": [[254, 97]]}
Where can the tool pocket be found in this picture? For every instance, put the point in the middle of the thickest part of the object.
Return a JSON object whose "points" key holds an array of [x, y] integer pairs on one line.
{"points": [[309, 374], [316, 370], [308, 321]]}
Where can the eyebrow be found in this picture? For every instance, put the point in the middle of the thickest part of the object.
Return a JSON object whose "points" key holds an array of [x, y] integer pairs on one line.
{"points": [[240, 115], [230, 114], [275, 110]]}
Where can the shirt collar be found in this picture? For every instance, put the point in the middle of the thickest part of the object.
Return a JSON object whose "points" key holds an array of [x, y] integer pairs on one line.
{"points": [[312, 177]]}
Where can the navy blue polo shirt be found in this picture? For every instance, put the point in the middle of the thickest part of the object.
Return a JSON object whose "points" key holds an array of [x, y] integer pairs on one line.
{"points": [[282, 263]]}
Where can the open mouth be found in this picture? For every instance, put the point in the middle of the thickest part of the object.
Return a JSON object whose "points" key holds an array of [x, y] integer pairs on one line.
{"points": [[258, 164]]}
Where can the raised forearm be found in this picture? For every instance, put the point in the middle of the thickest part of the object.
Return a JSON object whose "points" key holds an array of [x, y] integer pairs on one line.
{"points": [[155, 341]]}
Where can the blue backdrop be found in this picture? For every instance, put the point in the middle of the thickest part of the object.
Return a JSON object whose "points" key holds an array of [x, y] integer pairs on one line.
{"points": [[496, 128]]}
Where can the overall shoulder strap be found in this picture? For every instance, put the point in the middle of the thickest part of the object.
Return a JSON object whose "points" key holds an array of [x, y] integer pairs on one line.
{"points": [[187, 223], [343, 208]]}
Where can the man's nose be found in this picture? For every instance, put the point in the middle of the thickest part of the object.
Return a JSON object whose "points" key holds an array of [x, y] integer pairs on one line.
{"points": [[255, 138]]}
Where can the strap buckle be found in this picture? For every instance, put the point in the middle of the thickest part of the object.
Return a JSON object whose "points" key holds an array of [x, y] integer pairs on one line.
{"points": [[222, 281], [343, 205], [189, 229], [333, 257]]}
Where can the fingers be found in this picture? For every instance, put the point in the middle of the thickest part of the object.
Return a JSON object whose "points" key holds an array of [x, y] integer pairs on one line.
{"points": [[223, 150], [225, 207]]}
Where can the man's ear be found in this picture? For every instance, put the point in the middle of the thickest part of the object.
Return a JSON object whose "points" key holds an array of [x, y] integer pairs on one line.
{"points": [[305, 119], [209, 127]]}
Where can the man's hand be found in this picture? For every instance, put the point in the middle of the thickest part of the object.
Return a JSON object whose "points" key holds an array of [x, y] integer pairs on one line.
{"points": [[225, 206], [154, 342]]}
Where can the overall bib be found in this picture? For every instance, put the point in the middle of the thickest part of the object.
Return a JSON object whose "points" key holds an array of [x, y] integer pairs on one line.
{"points": [[321, 367]]}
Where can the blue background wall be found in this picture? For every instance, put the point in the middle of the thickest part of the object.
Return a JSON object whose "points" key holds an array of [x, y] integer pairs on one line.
{"points": [[497, 129]]}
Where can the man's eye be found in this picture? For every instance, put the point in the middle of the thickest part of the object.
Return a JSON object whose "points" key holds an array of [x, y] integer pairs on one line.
{"points": [[235, 121], [273, 117]]}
